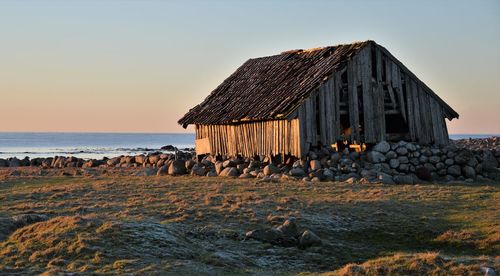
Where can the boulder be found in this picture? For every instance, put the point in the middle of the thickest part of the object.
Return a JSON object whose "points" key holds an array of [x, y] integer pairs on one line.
{"points": [[454, 170], [375, 157], [229, 171], [189, 164], [402, 151], [266, 235], [228, 163], [434, 159], [168, 148], [298, 172], [140, 159], [153, 159], [218, 167], [469, 172], [14, 162], [3, 163], [394, 163], [212, 173], [403, 179], [289, 227], [382, 147], [490, 163], [385, 178], [270, 169], [308, 239], [315, 165], [198, 170], [177, 167], [391, 155], [162, 170]]}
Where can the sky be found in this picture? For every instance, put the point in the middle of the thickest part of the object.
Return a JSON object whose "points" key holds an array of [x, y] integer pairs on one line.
{"points": [[138, 66]]}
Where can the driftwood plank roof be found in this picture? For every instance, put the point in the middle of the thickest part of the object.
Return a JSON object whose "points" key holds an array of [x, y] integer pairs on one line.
{"points": [[268, 87]]}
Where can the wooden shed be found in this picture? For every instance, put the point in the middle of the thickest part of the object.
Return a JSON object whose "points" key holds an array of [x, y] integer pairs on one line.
{"points": [[300, 99]]}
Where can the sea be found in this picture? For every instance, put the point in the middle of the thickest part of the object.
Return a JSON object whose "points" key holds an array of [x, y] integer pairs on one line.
{"points": [[99, 145]]}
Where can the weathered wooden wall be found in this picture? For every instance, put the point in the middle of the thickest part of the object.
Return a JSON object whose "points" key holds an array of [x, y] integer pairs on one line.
{"points": [[377, 85], [248, 139]]}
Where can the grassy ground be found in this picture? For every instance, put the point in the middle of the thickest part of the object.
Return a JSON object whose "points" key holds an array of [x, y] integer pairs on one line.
{"points": [[132, 224]]}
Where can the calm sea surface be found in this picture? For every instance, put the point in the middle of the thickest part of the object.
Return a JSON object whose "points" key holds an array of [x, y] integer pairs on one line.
{"points": [[87, 145], [98, 145]]}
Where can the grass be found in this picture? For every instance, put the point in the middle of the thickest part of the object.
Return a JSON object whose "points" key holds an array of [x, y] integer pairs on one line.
{"points": [[131, 224]]}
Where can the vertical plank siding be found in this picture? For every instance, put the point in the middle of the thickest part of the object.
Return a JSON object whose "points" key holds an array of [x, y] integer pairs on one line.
{"points": [[248, 139]]}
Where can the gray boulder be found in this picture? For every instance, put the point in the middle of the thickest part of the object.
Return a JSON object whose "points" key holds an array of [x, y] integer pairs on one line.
{"points": [[3, 163], [198, 170], [403, 179], [454, 170], [162, 170], [469, 172], [177, 167], [394, 163], [289, 227], [219, 167], [308, 239], [382, 147], [375, 157], [298, 172], [391, 155], [14, 162], [402, 151], [490, 163], [228, 163], [230, 171], [271, 169]]}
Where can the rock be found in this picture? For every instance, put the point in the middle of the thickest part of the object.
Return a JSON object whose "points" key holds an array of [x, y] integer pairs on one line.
{"points": [[27, 219], [315, 179], [423, 173], [308, 239], [394, 163], [271, 169], [385, 178], [140, 159], [404, 167], [113, 161], [189, 163], [245, 175], [298, 172], [198, 170], [14, 162], [469, 172], [382, 147], [488, 271], [212, 173], [430, 167], [315, 165], [454, 170], [218, 167], [403, 160], [168, 148], [289, 227], [375, 157], [403, 179], [177, 167], [440, 166], [228, 163], [153, 159], [411, 147], [351, 180], [490, 163], [3, 163], [162, 170], [266, 235], [434, 159], [328, 174], [230, 171], [402, 151], [391, 155]]}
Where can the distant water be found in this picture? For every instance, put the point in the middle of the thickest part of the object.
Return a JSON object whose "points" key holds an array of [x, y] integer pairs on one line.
{"points": [[87, 145], [99, 145]]}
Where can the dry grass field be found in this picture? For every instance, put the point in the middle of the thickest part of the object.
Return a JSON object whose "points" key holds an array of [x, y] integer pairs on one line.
{"points": [[115, 224]]}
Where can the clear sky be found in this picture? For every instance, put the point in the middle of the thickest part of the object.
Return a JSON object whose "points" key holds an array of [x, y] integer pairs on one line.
{"points": [[138, 66]]}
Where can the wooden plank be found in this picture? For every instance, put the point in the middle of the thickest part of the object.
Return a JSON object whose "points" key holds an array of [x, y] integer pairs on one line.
{"points": [[353, 99]]}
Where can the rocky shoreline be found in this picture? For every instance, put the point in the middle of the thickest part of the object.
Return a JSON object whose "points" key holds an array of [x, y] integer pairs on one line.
{"points": [[389, 163]]}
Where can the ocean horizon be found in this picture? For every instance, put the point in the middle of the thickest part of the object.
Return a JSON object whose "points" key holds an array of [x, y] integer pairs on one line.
{"points": [[105, 144]]}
